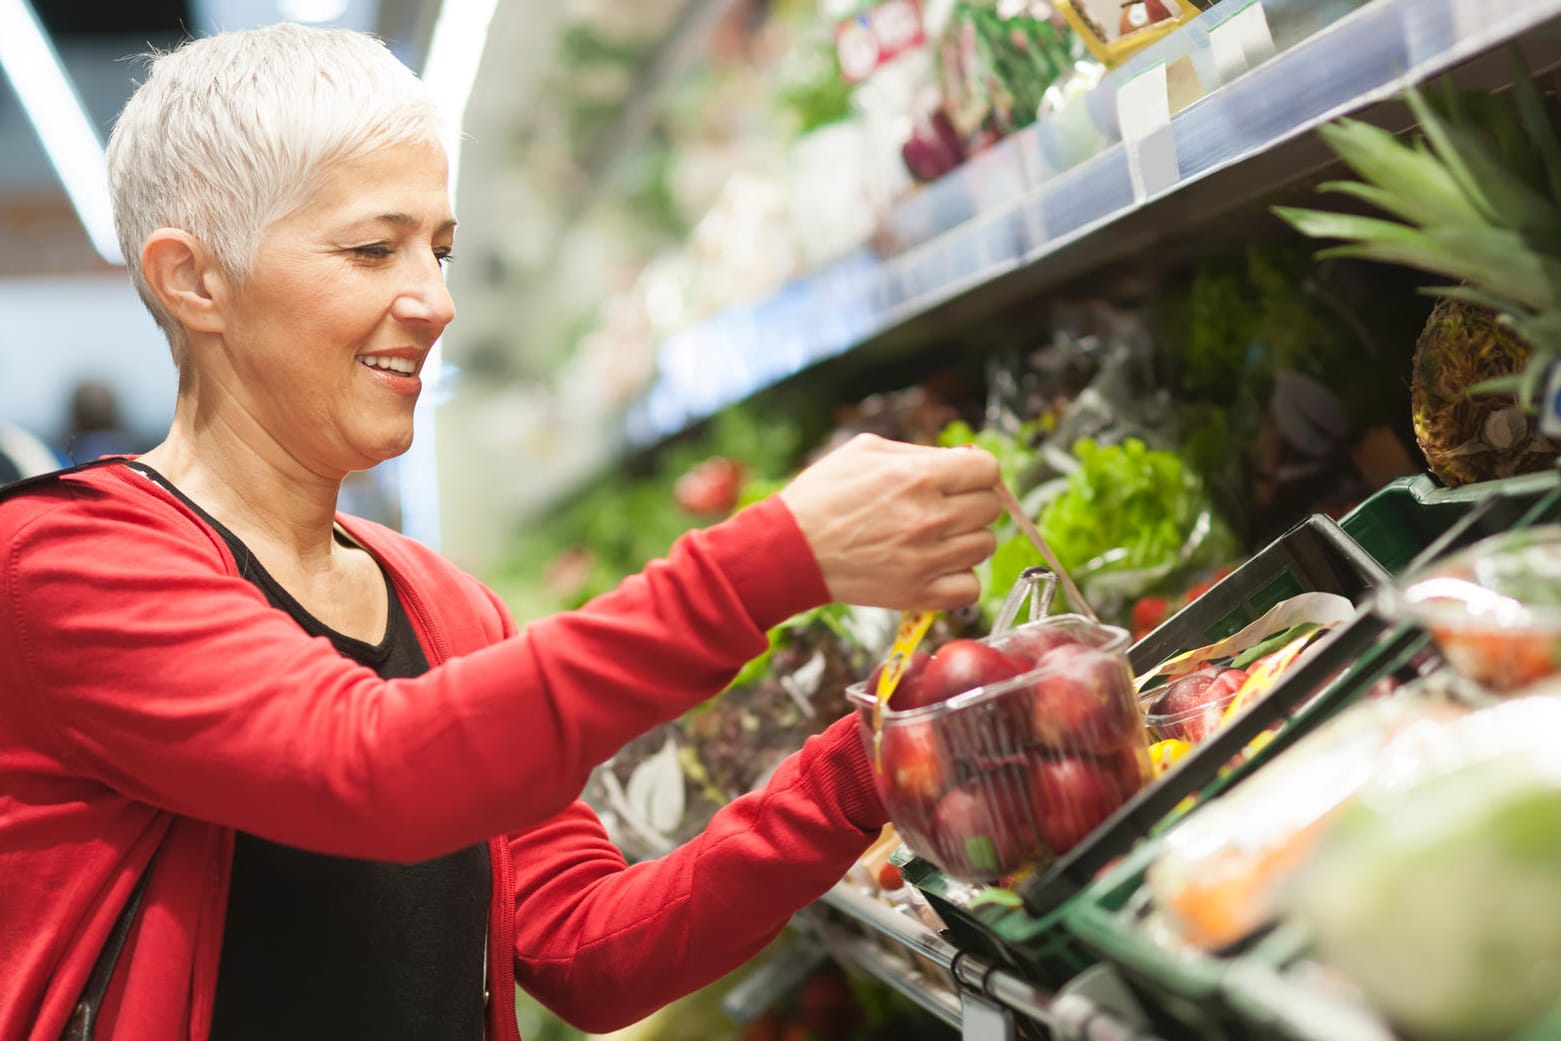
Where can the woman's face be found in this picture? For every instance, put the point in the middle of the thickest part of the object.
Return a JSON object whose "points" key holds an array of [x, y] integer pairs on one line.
{"points": [[329, 332]]}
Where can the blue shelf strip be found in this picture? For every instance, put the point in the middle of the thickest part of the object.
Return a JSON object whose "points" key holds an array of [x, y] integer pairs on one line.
{"points": [[1033, 193]]}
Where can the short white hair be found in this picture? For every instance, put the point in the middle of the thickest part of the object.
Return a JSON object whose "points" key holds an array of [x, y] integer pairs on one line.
{"points": [[230, 133]]}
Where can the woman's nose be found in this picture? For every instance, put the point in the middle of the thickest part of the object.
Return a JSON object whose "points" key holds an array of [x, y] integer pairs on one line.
{"points": [[428, 299]]}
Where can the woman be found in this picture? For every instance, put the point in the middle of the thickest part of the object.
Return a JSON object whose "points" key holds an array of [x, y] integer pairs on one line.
{"points": [[348, 782]]}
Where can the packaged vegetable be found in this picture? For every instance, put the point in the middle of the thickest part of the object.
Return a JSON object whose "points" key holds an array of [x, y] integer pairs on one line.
{"points": [[1494, 608], [1130, 519], [1114, 30], [996, 62], [1223, 870], [1436, 890]]}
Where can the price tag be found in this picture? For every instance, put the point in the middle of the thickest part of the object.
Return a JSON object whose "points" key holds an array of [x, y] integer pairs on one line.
{"points": [[1482, 17], [907, 637], [1241, 42], [983, 1020], [1144, 114], [1550, 406]]}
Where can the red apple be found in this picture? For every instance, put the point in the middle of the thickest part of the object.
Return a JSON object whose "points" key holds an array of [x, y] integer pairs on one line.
{"points": [[1076, 795], [1192, 707], [1083, 701], [905, 694], [983, 828], [914, 765], [962, 665], [1129, 768], [1184, 693], [1032, 642]]}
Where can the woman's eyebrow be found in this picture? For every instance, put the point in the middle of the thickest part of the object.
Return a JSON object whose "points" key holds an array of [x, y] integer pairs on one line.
{"points": [[405, 220]]}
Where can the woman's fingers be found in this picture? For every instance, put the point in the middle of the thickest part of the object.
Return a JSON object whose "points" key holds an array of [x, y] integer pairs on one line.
{"points": [[896, 525], [964, 469], [969, 511]]}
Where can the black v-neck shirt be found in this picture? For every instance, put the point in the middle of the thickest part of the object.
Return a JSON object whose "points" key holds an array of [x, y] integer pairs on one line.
{"points": [[326, 948]]}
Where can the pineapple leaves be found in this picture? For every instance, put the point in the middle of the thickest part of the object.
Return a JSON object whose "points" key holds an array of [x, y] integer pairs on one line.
{"points": [[1500, 385], [1504, 198], [1478, 297], [1485, 256], [1536, 124], [1417, 183], [1542, 332], [1325, 224]]}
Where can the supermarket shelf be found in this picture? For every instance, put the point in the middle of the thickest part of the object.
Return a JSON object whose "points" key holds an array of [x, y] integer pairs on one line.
{"points": [[977, 982], [1019, 219]]}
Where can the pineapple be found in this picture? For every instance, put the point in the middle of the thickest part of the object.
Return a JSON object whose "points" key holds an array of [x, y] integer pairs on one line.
{"points": [[1476, 198], [1468, 438]]}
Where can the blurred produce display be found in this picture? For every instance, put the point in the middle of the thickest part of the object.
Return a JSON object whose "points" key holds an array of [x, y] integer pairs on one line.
{"points": [[1116, 467], [995, 63]]}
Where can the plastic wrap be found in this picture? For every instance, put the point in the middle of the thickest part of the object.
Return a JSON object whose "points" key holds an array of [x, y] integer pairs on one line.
{"points": [[1222, 871], [661, 789], [1494, 608]]}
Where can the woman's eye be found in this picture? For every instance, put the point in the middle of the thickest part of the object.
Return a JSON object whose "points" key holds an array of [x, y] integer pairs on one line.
{"points": [[376, 251], [444, 256]]}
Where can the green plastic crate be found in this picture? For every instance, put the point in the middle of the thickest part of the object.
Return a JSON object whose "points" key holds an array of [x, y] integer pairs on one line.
{"points": [[1036, 947], [1405, 518]]}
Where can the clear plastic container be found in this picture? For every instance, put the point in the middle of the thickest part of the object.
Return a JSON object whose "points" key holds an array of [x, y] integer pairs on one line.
{"points": [[1190, 708], [1494, 608], [1009, 774]]}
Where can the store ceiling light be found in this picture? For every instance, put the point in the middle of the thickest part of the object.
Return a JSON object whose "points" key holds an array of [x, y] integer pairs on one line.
{"points": [[72, 144], [454, 52]]}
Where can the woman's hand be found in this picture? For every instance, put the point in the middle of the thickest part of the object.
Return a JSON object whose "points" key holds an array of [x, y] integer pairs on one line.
{"points": [[897, 525]]}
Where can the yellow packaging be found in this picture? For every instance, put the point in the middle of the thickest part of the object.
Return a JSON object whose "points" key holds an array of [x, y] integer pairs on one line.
{"points": [[1114, 30]]}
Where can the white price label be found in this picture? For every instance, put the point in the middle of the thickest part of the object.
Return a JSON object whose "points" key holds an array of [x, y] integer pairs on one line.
{"points": [[1241, 42], [1144, 114], [1550, 407]]}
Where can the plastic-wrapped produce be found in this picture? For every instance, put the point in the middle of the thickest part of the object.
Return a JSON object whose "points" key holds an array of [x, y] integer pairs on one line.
{"points": [[996, 62], [1222, 871], [661, 789], [1494, 609], [1436, 890]]}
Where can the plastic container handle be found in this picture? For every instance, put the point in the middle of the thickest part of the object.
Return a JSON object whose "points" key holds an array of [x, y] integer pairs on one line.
{"points": [[1037, 583]]}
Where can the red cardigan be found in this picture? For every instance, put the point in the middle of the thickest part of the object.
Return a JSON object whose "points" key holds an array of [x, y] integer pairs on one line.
{"points": [[153, 700]]}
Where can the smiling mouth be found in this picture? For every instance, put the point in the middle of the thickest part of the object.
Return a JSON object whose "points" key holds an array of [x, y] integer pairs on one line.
{"points": [[397, 366]]}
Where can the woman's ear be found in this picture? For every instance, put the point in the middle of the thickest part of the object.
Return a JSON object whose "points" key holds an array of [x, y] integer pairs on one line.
{"points": [[183, 275]]}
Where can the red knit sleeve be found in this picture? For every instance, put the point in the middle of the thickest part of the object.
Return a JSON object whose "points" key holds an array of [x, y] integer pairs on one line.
{"points": [[602, 944], [131, 655]]}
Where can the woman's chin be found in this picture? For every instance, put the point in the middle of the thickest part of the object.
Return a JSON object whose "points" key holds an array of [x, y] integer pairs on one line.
{"points": [[386, 448]]}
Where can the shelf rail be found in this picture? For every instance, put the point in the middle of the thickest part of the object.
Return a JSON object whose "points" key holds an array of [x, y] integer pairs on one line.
{"points": [[987, 995]]}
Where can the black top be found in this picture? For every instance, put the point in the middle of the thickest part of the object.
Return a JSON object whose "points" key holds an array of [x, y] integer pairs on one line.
{"points": [[335, 948]]}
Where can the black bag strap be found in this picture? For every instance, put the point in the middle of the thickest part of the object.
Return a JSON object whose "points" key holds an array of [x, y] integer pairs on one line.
{"points": [[30, 483], [84, 1018]]}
